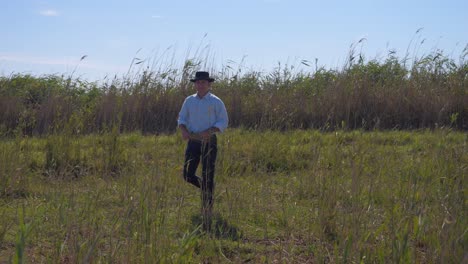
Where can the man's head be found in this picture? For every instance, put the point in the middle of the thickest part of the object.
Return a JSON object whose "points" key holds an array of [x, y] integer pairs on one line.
{"points": [[202, 82]]}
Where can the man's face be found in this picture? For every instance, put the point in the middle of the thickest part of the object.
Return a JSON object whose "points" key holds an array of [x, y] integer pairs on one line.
{"points": [[202, 86]]}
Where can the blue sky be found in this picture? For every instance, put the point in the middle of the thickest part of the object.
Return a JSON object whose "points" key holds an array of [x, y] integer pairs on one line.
{"points": [[50, 36]]}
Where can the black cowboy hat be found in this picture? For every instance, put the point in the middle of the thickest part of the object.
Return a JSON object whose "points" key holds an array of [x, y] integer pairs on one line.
{"points": [[202, 75]]}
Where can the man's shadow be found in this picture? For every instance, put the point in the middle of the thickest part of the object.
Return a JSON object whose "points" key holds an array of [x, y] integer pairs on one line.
{"points": [[220, 227]]}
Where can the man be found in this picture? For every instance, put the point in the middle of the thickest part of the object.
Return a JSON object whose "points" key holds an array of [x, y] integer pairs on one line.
{"points": [[202, 115]]}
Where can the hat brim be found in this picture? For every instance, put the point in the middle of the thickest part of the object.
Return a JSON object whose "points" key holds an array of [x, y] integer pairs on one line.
{"points": [[207, 79]]}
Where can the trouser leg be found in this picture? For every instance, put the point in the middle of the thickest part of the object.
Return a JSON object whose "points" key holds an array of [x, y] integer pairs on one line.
{"points": [[209, 153], [192, 159]]}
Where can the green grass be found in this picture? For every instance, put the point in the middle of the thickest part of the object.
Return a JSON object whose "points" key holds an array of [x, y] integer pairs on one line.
{"points": [[297, 196]]}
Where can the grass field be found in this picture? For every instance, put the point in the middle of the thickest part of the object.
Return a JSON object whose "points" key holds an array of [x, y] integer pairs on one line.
{"points": [[301, 196]]}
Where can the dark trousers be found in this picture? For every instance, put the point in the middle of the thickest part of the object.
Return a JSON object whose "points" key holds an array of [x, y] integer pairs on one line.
{"points": [[205, 151]]}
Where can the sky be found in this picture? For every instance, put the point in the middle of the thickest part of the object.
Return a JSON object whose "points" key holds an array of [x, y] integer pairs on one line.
{"points": [[97, 38]]}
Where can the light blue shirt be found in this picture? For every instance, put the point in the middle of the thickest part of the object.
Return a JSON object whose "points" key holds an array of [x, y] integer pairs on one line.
{"points": [[199, 114]]}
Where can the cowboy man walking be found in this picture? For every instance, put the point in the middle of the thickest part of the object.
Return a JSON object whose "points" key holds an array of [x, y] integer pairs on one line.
{"points": [[202, 116]]}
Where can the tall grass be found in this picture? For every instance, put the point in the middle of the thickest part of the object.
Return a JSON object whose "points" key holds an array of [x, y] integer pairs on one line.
{"points": [[386, 93], [297, 196], [94, 187]]}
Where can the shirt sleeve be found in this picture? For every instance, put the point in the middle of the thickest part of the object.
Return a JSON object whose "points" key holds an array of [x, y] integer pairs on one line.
{"points": [[183, 114], [222, 119]]}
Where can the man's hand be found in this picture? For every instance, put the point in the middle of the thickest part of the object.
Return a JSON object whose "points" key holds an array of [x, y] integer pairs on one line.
{"points": [[185, 133], [205, 135]]}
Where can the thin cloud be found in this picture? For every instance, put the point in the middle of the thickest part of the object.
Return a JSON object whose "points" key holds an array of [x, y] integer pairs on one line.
{"points": [[156, 16], [49, 13], [67, 61], [33, 60]]}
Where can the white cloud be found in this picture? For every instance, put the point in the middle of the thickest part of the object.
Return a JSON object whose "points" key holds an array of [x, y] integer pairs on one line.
{"points": [[66, 61], [49, 12], [156, 16]]}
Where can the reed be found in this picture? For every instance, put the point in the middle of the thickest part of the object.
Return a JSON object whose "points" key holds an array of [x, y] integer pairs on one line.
{"points": [[364, 94]]}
